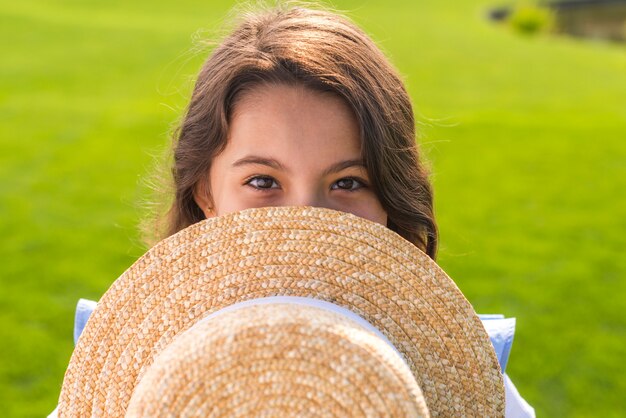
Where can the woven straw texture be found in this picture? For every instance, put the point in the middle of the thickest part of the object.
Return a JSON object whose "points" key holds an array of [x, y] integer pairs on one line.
{"points": [[278, 360], [290, 251]]}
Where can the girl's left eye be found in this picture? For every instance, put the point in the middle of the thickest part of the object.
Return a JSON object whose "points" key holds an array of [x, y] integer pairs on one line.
{"points": [[348, 183]]}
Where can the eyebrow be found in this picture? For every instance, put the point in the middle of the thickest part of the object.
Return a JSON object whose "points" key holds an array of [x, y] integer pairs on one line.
{"points": [[342, 165], [253, 159]]}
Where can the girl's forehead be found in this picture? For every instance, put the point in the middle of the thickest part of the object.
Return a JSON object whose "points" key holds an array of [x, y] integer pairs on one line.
{"points": [[294, 124], [295, 110], [280, 93]]}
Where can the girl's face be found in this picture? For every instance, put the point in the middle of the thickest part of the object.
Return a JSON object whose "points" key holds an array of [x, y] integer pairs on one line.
{"points": [[291, 146]]}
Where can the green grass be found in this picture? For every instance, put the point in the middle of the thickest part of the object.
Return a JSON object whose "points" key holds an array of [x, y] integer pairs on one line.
{"points": [[525, 137]]}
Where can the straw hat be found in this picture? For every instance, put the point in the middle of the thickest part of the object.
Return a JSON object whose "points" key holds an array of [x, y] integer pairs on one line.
{"points": [[303, 252]]}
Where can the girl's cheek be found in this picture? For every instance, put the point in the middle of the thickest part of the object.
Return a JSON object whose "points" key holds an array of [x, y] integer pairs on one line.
{"points": [[252, 198], [366, 206]]}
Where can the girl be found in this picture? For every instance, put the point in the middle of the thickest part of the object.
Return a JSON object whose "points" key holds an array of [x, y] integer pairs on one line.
{"points": [[298, 107]]}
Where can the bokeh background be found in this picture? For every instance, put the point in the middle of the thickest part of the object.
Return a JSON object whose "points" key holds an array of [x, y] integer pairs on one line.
{"points": [[525, 135]]}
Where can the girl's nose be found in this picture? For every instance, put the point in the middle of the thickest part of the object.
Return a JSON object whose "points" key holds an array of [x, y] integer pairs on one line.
{"points": [[311, 198]]}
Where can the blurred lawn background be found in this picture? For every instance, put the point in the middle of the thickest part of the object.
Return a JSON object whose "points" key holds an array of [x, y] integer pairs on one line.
{"points": [[526, 138]]}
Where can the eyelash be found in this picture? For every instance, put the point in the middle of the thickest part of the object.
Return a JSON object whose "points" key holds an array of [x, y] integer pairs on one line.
{"points": [[248, 182]]}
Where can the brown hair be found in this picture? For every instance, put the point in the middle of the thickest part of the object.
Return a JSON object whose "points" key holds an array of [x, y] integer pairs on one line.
{"points": [[322, 51]]}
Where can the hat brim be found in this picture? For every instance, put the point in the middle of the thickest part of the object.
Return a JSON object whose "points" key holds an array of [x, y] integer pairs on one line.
{"points": [[288, 251]]}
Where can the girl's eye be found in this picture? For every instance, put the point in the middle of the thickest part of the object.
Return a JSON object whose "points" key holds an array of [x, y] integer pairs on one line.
{"points": [[348, 183], [262, 183]]}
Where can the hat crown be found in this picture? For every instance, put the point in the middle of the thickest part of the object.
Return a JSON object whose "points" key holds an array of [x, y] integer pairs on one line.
{"points": [[278, 359]]}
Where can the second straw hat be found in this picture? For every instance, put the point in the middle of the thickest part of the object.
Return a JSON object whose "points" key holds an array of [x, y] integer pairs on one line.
{"points": [[304, 252]]}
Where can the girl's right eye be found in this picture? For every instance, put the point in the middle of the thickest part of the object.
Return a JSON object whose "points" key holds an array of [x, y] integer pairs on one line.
{"points": [[262, 183]]}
